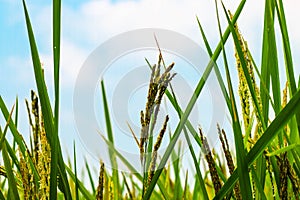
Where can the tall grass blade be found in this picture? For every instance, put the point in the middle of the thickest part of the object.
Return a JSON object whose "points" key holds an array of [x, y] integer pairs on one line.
{"points": [[10, 176], [269, 69], [75, 171], [56, 60], [14, 158], [3, 134], [86, 194], [284, 149], [259, 186], [17, 112], [56, 56], [176, 168], [216, 68], [287, 53], [112, 155], [87, 167], [196, 164], [185, 187], [39, 78], [265, 69], [287, 47], [272, 58], [16, 120], [1, 196], [127, 187]]}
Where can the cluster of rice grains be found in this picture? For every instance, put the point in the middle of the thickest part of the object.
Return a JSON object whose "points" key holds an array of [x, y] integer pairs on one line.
{"points": [[210, 157], [157, 87], [39, 153], [99, 195], [244, 92], [211, 163], [286, 171], [148, 152], [283, 164]]}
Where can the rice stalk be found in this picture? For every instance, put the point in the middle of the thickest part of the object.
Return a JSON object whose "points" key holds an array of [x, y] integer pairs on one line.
{"points": [[133, 134], [185, 192], [283, 168], [256, 102], [244, 91], [133, 190], [211, 163], [44, 164], [111, 190], [128, 188], [157, 87], [145, 117], [41, 151], [228, 156], [99, 195], [270, 175], [27, 179], [294, 180], [36, 126], [155, 150]]}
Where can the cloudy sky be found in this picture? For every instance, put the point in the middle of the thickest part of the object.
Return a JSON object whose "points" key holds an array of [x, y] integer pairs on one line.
{"points": [[88, 24]]}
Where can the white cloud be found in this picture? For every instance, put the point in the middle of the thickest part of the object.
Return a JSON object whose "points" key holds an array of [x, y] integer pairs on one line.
{"points": [[72, 57], [93, 22]]}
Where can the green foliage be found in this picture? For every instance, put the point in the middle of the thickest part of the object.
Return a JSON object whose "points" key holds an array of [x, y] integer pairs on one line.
{"points": [[267, 151]]}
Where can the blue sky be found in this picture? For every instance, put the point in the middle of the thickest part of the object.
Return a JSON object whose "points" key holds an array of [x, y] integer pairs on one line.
{"points": [[87, 24]]}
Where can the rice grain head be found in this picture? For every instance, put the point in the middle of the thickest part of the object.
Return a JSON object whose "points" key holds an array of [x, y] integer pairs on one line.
{"points": [[228, 156], [244, 91], [211, 163], [157, 87], [99, 195], [155, 150]]}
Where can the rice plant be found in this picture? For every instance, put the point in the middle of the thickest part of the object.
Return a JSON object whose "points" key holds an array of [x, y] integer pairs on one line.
{"points": [[264, 162]]}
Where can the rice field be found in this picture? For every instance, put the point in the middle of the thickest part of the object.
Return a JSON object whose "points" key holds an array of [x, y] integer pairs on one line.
{"points": [[264, 119]]}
